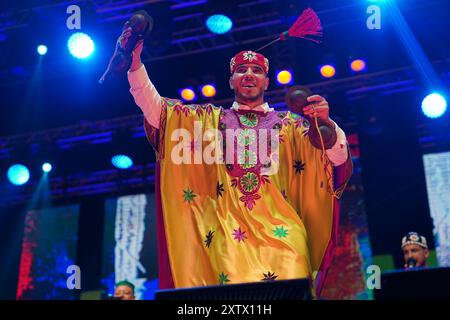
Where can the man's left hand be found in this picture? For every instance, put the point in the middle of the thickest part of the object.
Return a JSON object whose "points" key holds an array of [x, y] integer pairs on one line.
{"points": [[317, 107]]}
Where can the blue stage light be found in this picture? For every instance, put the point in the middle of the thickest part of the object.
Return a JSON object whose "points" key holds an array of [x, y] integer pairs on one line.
{"points": [[18, 174], [219, 24], [42, 50], [121, 161], [46, 167], [434, 105], [80, 45]]}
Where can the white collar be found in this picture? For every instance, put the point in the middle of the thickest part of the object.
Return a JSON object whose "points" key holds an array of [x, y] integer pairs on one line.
{"points": [[263, 107]]}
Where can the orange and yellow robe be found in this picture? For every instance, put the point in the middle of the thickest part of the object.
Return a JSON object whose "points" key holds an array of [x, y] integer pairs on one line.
{"points": [[255, 218]]}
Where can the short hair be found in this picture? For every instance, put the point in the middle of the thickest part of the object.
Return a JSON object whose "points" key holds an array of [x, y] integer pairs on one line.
{"points": [[125, 283]]}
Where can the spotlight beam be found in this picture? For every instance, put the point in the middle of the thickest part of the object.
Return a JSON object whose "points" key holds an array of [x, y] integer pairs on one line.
{"points": [[413, 49]]}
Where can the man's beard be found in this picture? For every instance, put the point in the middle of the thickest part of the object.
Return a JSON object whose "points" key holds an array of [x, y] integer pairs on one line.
{"points": [[249, 98]]}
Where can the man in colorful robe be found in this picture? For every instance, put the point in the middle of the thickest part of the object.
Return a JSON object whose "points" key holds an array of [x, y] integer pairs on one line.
{"points": [[252, 218]]}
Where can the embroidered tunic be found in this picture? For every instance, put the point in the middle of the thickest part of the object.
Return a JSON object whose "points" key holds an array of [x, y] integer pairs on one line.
{"points": [[254, 205]]}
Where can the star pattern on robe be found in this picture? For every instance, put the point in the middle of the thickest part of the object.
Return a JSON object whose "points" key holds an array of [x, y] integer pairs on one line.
{"points": [[239, 235], [209, 238], [269, 276], [219, 189], [299, 166], [223, 278], [188, 195], [280, 232]]}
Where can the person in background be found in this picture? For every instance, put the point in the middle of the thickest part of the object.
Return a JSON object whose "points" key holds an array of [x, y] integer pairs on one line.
{"points": [[415, 250], [124, 291]]}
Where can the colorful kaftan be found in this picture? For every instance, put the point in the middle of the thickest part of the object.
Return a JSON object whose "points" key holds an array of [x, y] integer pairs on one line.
{"points": [[252, 214]]}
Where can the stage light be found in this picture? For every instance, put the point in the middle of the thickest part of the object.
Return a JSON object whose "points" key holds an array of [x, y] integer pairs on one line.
{"points": [[187, 94], [18, 174], [46, 167], [208, 91], [219, 24], [284, 77], [80, 45], [358, 65], [327, 71], [121, 161], [434, 105], [42, 50]]}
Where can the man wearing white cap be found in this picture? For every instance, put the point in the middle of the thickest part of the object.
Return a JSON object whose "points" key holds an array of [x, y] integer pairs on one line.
{"points": [[415, 250]]}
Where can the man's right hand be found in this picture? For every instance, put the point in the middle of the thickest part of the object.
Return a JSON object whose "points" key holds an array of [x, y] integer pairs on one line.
{"points": [[136, 54]]}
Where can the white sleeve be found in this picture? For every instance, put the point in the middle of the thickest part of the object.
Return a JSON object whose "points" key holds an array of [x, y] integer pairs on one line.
{"points": [[338, 153], [145, 95]]}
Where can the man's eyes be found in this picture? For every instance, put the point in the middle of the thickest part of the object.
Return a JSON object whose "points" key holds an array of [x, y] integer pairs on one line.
{"points": [[254, 70]]}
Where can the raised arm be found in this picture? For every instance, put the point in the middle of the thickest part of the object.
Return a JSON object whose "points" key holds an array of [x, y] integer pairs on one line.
{"points": [[144, 92]]}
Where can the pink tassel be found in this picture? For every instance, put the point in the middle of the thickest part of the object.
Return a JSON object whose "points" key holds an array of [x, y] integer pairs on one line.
{"points": [[308, 24]]}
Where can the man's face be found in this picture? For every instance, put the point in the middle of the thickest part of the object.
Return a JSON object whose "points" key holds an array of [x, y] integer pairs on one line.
{"points": [[417, 253], [249, 81], [124, 293]]}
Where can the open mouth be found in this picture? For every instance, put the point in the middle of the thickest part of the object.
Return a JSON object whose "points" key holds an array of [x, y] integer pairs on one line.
{"points": [[248, 85]]}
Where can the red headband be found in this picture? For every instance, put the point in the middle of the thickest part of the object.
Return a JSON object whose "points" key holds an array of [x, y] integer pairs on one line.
{"points": [[244, 57]]}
